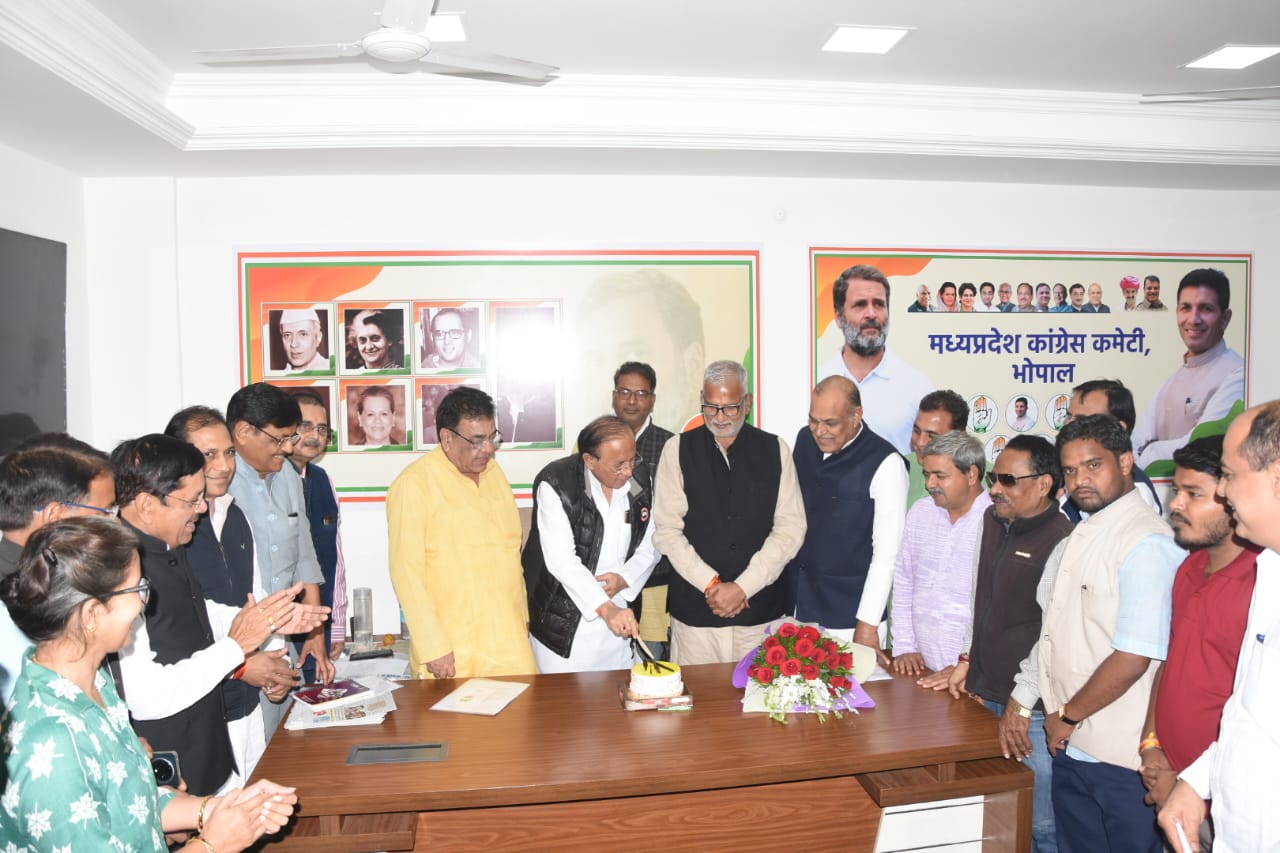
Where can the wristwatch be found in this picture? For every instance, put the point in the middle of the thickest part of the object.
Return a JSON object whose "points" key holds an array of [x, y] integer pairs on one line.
{"points": [[1023, 711], [1062, 714]]}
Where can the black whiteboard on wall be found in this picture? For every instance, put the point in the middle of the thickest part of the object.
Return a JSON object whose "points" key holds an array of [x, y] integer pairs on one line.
{"points": [[33, 336]]}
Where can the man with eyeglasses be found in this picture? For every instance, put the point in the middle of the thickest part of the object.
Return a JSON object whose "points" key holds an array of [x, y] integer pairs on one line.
{"points": [[729, 516], [449, 347], [589, 552], [264, 429], [454, 535], [1106, 593], [635, 386], [187, 645], [221, 556], [1019, 531], [47, 477], [324, 516]]}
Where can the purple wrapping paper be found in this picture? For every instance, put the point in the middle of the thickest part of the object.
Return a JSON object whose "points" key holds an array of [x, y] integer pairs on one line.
{"points": [[856, 697]]}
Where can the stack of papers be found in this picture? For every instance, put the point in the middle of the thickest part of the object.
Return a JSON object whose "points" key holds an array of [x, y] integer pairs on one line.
{"points": [[349, 702]]}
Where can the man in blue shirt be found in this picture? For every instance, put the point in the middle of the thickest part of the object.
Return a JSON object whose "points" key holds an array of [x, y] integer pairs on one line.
{"points": [[264, 429]]}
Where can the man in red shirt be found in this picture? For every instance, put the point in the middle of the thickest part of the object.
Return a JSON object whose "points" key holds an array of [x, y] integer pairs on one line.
{"points": [[1211, 597]]}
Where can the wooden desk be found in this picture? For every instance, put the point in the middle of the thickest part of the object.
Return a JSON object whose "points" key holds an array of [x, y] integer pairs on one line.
{"points": [[565, 768]]}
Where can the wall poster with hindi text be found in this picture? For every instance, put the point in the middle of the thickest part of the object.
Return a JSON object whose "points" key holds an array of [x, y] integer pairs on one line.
{"points": [[1015, 363]]}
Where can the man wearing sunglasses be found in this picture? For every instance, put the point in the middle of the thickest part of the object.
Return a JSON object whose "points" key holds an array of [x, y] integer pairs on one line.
{"points": [[729, 516], [49, 476], [1019, 531]]}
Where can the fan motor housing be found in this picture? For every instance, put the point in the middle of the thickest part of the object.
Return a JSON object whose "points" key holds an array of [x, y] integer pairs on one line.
{"points": [[395, 45]]}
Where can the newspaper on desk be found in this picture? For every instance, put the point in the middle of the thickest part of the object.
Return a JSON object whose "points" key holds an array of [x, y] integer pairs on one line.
{"points": [[361, 709]]}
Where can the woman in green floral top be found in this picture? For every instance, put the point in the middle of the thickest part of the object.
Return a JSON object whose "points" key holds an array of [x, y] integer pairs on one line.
{"points": [[76, 774]]}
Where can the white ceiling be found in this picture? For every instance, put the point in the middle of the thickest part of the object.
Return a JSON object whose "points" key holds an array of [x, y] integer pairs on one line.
{"points": [[989, 88]]}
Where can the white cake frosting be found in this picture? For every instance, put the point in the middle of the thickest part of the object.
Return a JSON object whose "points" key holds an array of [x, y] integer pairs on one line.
{"points": [[648, 682]]}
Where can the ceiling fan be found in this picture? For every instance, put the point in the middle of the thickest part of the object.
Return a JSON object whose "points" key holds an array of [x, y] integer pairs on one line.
{"points": [[400, 45], [1206, 96]]}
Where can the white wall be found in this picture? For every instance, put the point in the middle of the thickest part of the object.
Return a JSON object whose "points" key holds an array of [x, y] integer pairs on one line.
{"points": [[45, 201], [136, 228]]}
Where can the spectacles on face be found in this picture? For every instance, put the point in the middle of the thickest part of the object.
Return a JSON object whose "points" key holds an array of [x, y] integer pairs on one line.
{"points": [[322, 431], [625, 465], [143, 590], [279, 439], [1008, 480], [110, 513], [448, 335], [194, 503], [627, 393], [732, 410], [477, 443]]}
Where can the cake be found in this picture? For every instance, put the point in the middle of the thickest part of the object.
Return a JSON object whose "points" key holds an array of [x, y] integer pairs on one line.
{"points": [[650, 682]]}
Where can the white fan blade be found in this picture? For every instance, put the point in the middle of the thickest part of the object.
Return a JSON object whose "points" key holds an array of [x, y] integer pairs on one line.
{"points": [[410, 15], [492, 63], [298, 51]]}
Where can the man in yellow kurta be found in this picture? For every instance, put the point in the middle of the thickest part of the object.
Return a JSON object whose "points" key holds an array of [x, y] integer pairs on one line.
{"points": [[455, 550]]}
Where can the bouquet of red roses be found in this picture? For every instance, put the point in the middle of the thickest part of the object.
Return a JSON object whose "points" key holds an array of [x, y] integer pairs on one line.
{"points": [[802, 667]]}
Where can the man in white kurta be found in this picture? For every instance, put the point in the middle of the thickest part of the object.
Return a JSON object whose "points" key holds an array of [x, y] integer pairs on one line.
{"points": [[1237, 771], [599, 560]]}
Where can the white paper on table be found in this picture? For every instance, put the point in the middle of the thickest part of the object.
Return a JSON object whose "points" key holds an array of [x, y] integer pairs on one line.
{"points": [[880, 674], [392, 667], [483, 696]]}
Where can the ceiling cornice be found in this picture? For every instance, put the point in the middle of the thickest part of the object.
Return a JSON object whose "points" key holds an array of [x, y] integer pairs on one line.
{"points": [[75, 41], [249, 110], [273, 111]]}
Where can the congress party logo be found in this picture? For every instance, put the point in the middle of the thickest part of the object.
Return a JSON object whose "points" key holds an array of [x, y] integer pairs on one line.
{"points": [[1057, 406], [982, 413]]}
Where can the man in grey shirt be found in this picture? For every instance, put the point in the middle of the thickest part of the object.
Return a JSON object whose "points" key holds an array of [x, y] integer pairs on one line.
{"points": [[264, 429]]}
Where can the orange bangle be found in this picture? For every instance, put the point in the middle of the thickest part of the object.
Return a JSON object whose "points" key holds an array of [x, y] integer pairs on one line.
{"points": [[714, 582], [239, 673]]}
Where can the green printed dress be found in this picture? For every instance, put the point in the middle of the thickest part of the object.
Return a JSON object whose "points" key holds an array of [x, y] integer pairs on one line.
{"points": [[75, 775]]}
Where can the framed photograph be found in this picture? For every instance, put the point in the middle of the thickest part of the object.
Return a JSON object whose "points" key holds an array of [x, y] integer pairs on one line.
{"points": [[375, 338], [451, 337], [376, 415], [297, 340], [430, 393]]}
